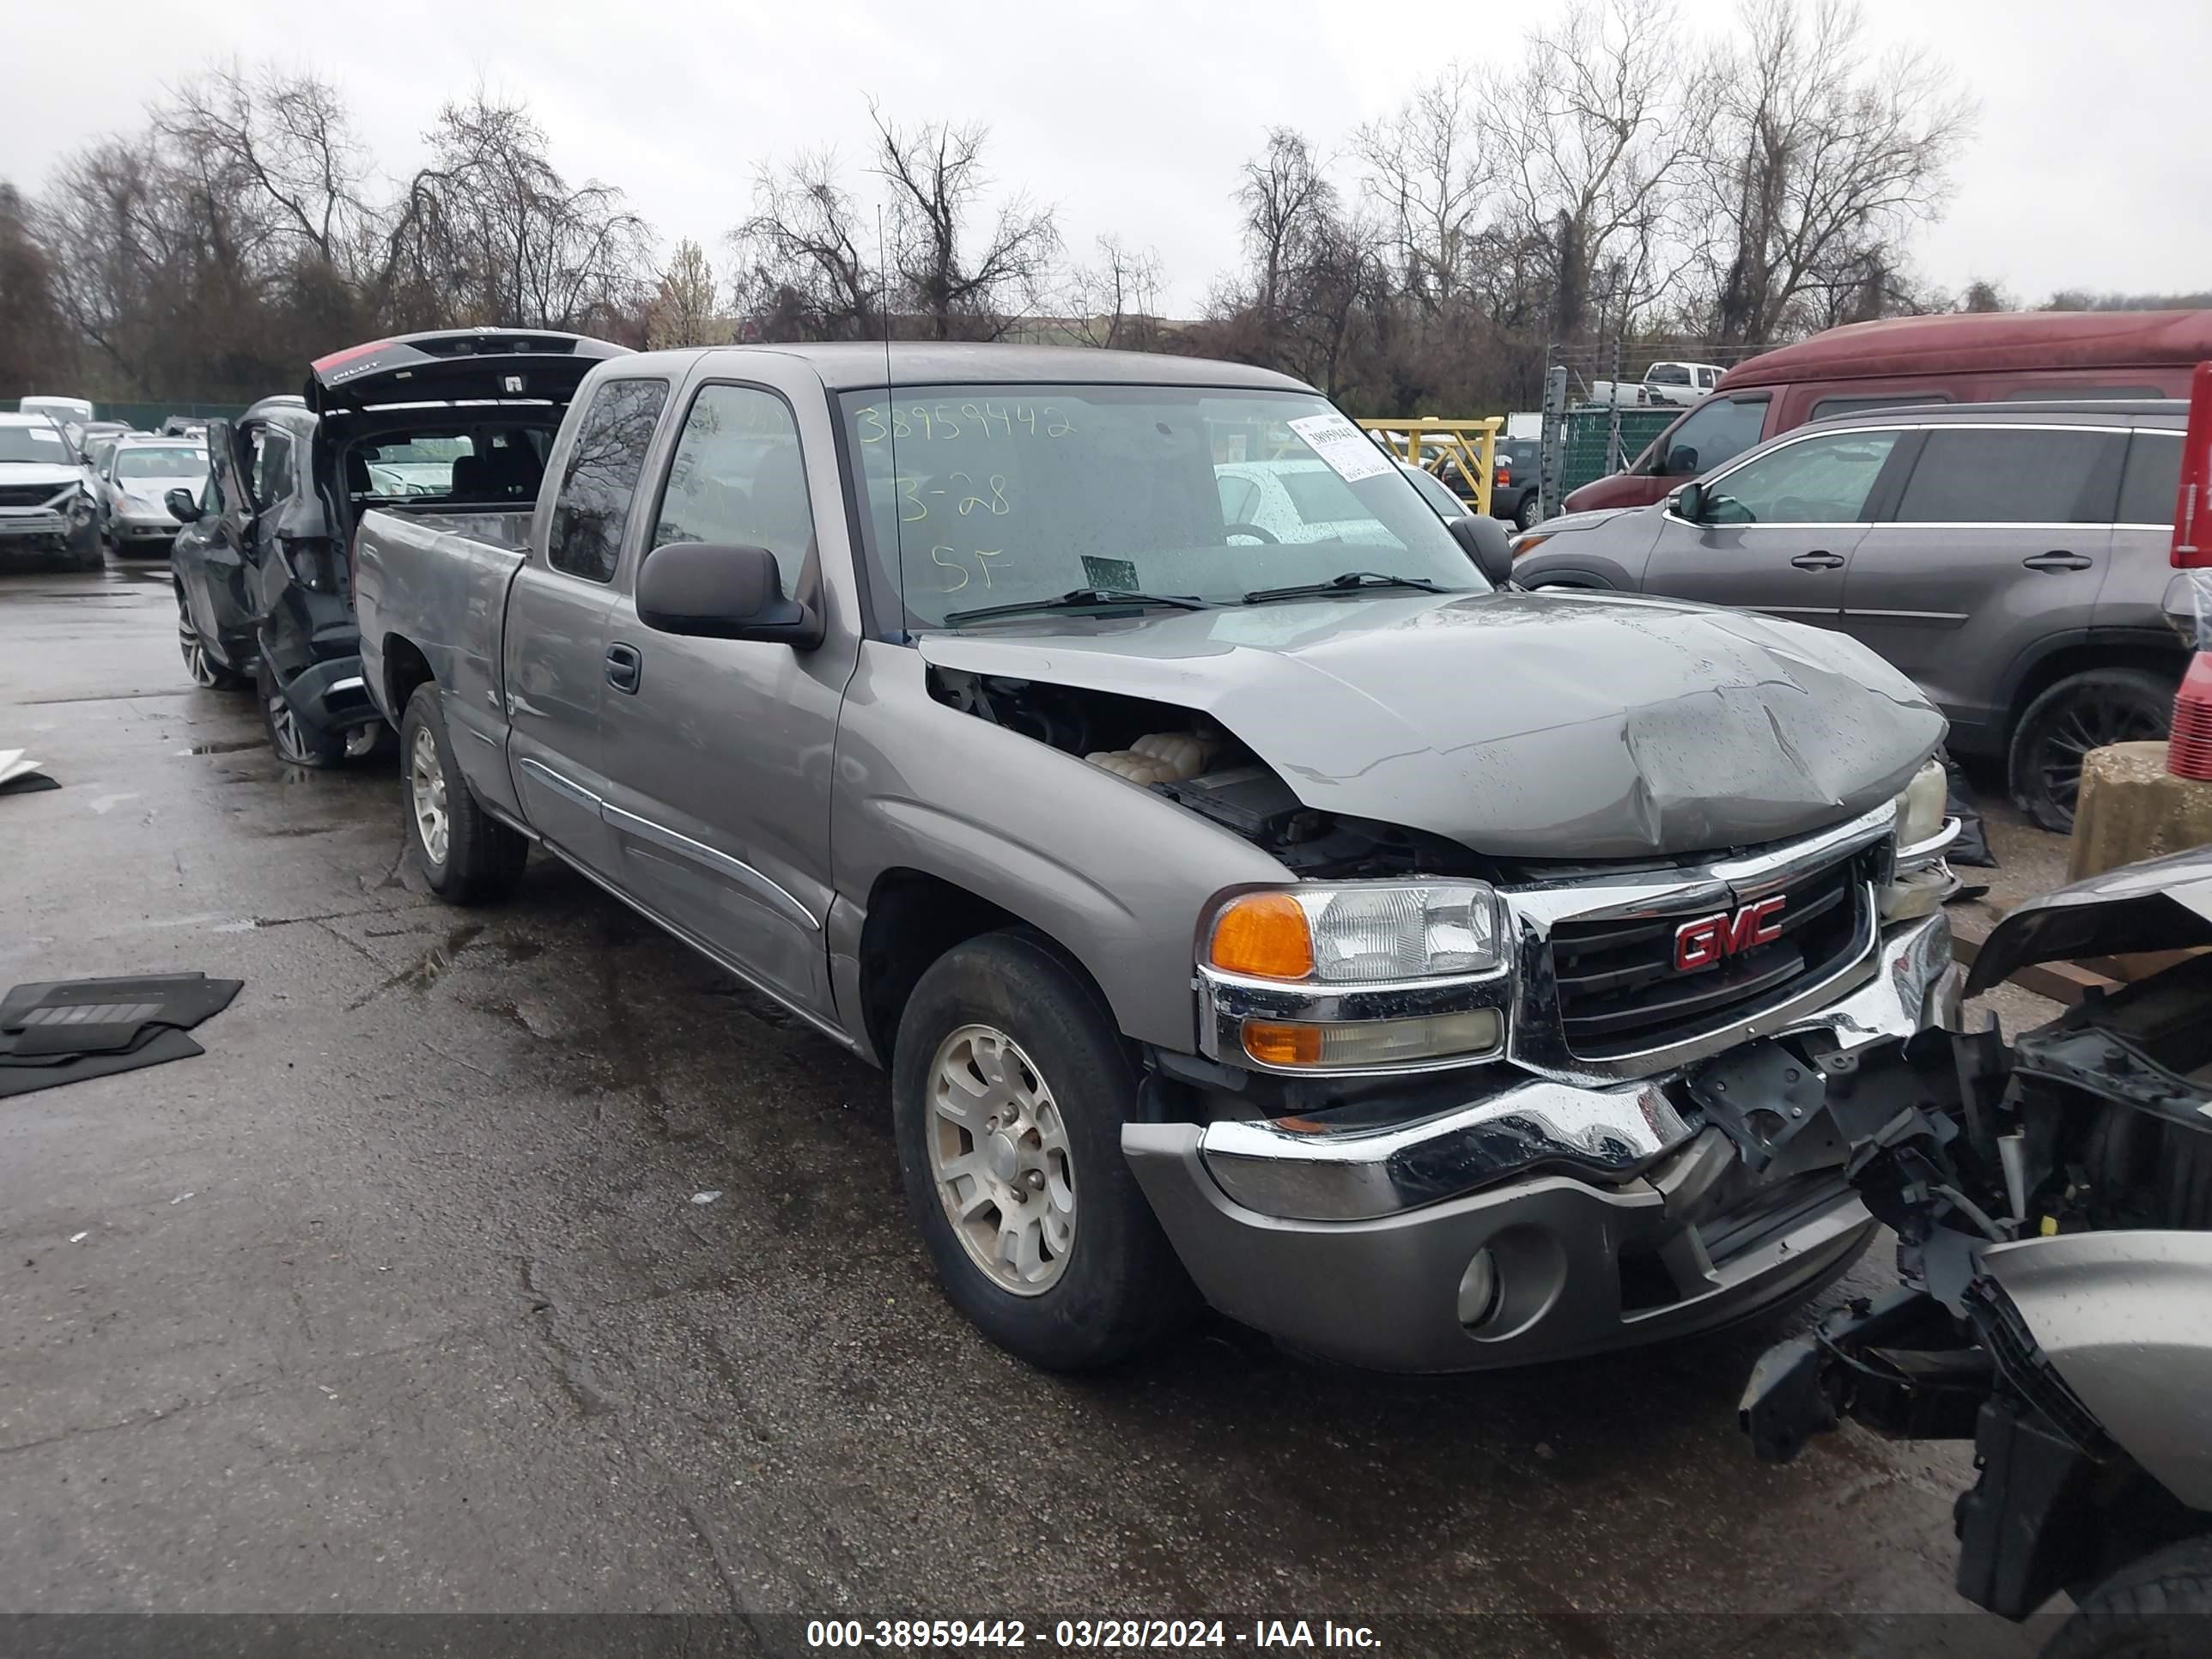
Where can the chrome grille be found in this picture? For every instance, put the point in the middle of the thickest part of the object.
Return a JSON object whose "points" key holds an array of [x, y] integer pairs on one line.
{"points": [[1620, 992]]}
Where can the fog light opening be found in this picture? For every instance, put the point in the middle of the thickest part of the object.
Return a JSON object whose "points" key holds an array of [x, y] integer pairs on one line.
{"points": [[1479, 1291]]}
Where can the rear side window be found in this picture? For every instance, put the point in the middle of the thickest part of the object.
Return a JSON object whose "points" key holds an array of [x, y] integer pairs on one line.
{"points": [[601, 479], [1322, 498], [737, 480], [1714, 433], [1827, 406], [1986, 476], [2152, 479], [1667, 375]]}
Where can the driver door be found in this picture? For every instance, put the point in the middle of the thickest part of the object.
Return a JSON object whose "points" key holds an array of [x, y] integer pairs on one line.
{"points": [[1777, 532], [216, 575]]}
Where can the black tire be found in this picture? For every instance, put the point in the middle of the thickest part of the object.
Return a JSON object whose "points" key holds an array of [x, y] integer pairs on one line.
{"points": [[2158, 1608], [1120, 1288], [200, 663], [1524, 516], [294, 743], [483, 858], [2081, 712]]}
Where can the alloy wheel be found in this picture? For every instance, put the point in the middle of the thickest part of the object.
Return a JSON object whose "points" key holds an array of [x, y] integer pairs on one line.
{"points": [[426, 790], [203, 671], [2089, 722], [1000, 1157]]}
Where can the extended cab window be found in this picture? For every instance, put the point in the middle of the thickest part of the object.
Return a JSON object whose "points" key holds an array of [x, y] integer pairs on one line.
{"points": [[1824, 480], [601, 479], [737, 480], [2152, 480], [1983, 475], [1716, 432]]}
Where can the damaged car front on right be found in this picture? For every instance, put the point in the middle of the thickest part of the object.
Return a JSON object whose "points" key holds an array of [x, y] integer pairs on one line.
{"points": [[2053, 1201]]}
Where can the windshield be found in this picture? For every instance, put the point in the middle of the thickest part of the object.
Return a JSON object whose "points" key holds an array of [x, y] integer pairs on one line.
{"points": [[41, 443], [1003, 494], [164, 461]]}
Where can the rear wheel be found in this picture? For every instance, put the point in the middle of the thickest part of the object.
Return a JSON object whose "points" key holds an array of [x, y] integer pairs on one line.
{"points": [[202, 667], [1008, 1088], [1524, 516], [2089, 710], [297, 743], [469, 856]]}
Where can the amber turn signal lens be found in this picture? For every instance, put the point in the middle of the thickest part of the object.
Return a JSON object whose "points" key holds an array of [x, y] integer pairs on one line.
{"points": [[1264, 935], [1276, 1043]]}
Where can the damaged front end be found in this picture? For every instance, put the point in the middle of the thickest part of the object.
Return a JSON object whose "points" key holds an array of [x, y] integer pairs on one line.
{"points": [[1474, 1084], [2051, 1199]]}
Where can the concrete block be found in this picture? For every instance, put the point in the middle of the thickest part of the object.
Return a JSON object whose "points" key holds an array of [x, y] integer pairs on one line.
{"points": [[2130, 809]]}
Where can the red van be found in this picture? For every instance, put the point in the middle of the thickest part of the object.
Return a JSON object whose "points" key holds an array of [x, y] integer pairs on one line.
{"points": [[1978, 358]]}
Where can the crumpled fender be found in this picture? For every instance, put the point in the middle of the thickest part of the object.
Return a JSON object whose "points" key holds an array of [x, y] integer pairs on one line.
{"points": [[2161, 904], [2125, 1320]]}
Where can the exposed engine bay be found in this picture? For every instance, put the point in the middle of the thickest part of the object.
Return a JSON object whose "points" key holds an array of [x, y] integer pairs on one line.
{"points": [[1193, 762]]}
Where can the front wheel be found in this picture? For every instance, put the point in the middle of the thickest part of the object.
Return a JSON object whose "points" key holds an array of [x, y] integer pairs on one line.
{"points": [[199, 662], [2084, 711], [1008, 1088], [469, 856], [2158, 1608]]}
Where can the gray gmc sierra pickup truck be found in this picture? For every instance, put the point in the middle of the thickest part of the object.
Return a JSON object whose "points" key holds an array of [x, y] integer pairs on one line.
{"points": [[1434, 976]]}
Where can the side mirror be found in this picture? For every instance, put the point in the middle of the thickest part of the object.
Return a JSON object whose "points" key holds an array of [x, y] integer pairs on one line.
{"points": [[1688, 502], [1484, 540], [1682, 461], [184, 506], [721, 593]]}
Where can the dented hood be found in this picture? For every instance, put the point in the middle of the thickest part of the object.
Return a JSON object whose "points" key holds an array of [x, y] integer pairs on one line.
{"points": [[1550, 725]]}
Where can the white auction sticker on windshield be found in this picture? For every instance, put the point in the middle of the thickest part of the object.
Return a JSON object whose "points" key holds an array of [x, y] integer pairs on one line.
{"points": [[43, 436], [1350, 453]]}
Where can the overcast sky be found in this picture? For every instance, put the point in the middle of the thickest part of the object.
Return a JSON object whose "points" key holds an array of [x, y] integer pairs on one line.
{"points": [[2088, 168]]}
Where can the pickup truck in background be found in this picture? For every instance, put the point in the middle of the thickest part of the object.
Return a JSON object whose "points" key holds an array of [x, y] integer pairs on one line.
{"points": [[1678, 384], [1435, 975]]}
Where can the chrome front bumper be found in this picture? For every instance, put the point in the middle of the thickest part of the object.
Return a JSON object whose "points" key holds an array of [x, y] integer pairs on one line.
{"points": [[1349, 1240]]}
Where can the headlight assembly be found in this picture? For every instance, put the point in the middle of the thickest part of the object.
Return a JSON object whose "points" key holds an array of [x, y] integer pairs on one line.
{"points": [[1342, 977], [1923, 880]]}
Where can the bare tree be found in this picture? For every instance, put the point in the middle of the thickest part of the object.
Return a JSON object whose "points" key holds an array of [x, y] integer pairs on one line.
{"points": [[1428, 175], [1817, 160], [37, 350], [1595, 133], [804, 271], [1115, 302], [286, 143], [686, 309], [491, 232], [1285, 199], [936, 179]]}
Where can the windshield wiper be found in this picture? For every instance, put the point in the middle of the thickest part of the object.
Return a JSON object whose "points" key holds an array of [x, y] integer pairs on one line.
{"points": [[1345, 584], [1081, 598]]}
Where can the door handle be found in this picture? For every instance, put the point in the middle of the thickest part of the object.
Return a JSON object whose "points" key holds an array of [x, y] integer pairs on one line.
{"points": [[2058, 559], [625, 667], [1818, 559]]}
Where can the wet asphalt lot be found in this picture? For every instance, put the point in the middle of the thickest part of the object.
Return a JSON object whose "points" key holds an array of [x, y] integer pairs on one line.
{"points": [[397, 1298]]}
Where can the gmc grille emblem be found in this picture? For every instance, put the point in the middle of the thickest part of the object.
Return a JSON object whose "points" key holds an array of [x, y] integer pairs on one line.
{"points": [[1712, 939]]}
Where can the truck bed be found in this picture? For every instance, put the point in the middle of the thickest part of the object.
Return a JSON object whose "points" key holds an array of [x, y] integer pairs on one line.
{"points": [[433, 582]]}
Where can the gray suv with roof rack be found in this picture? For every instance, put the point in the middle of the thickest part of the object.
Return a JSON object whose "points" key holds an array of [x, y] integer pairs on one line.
{"points": [[2010, 557]]}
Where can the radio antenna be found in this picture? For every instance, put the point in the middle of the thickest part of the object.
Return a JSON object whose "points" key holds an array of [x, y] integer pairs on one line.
{"points": [[890, 419]]}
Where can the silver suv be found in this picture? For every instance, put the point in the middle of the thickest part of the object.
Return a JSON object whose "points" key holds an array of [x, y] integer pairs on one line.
{"points": [[2010, 557]]}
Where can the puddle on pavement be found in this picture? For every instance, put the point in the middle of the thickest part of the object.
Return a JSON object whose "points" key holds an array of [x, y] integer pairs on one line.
{"points": [[237, 746], [431, 967]]}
